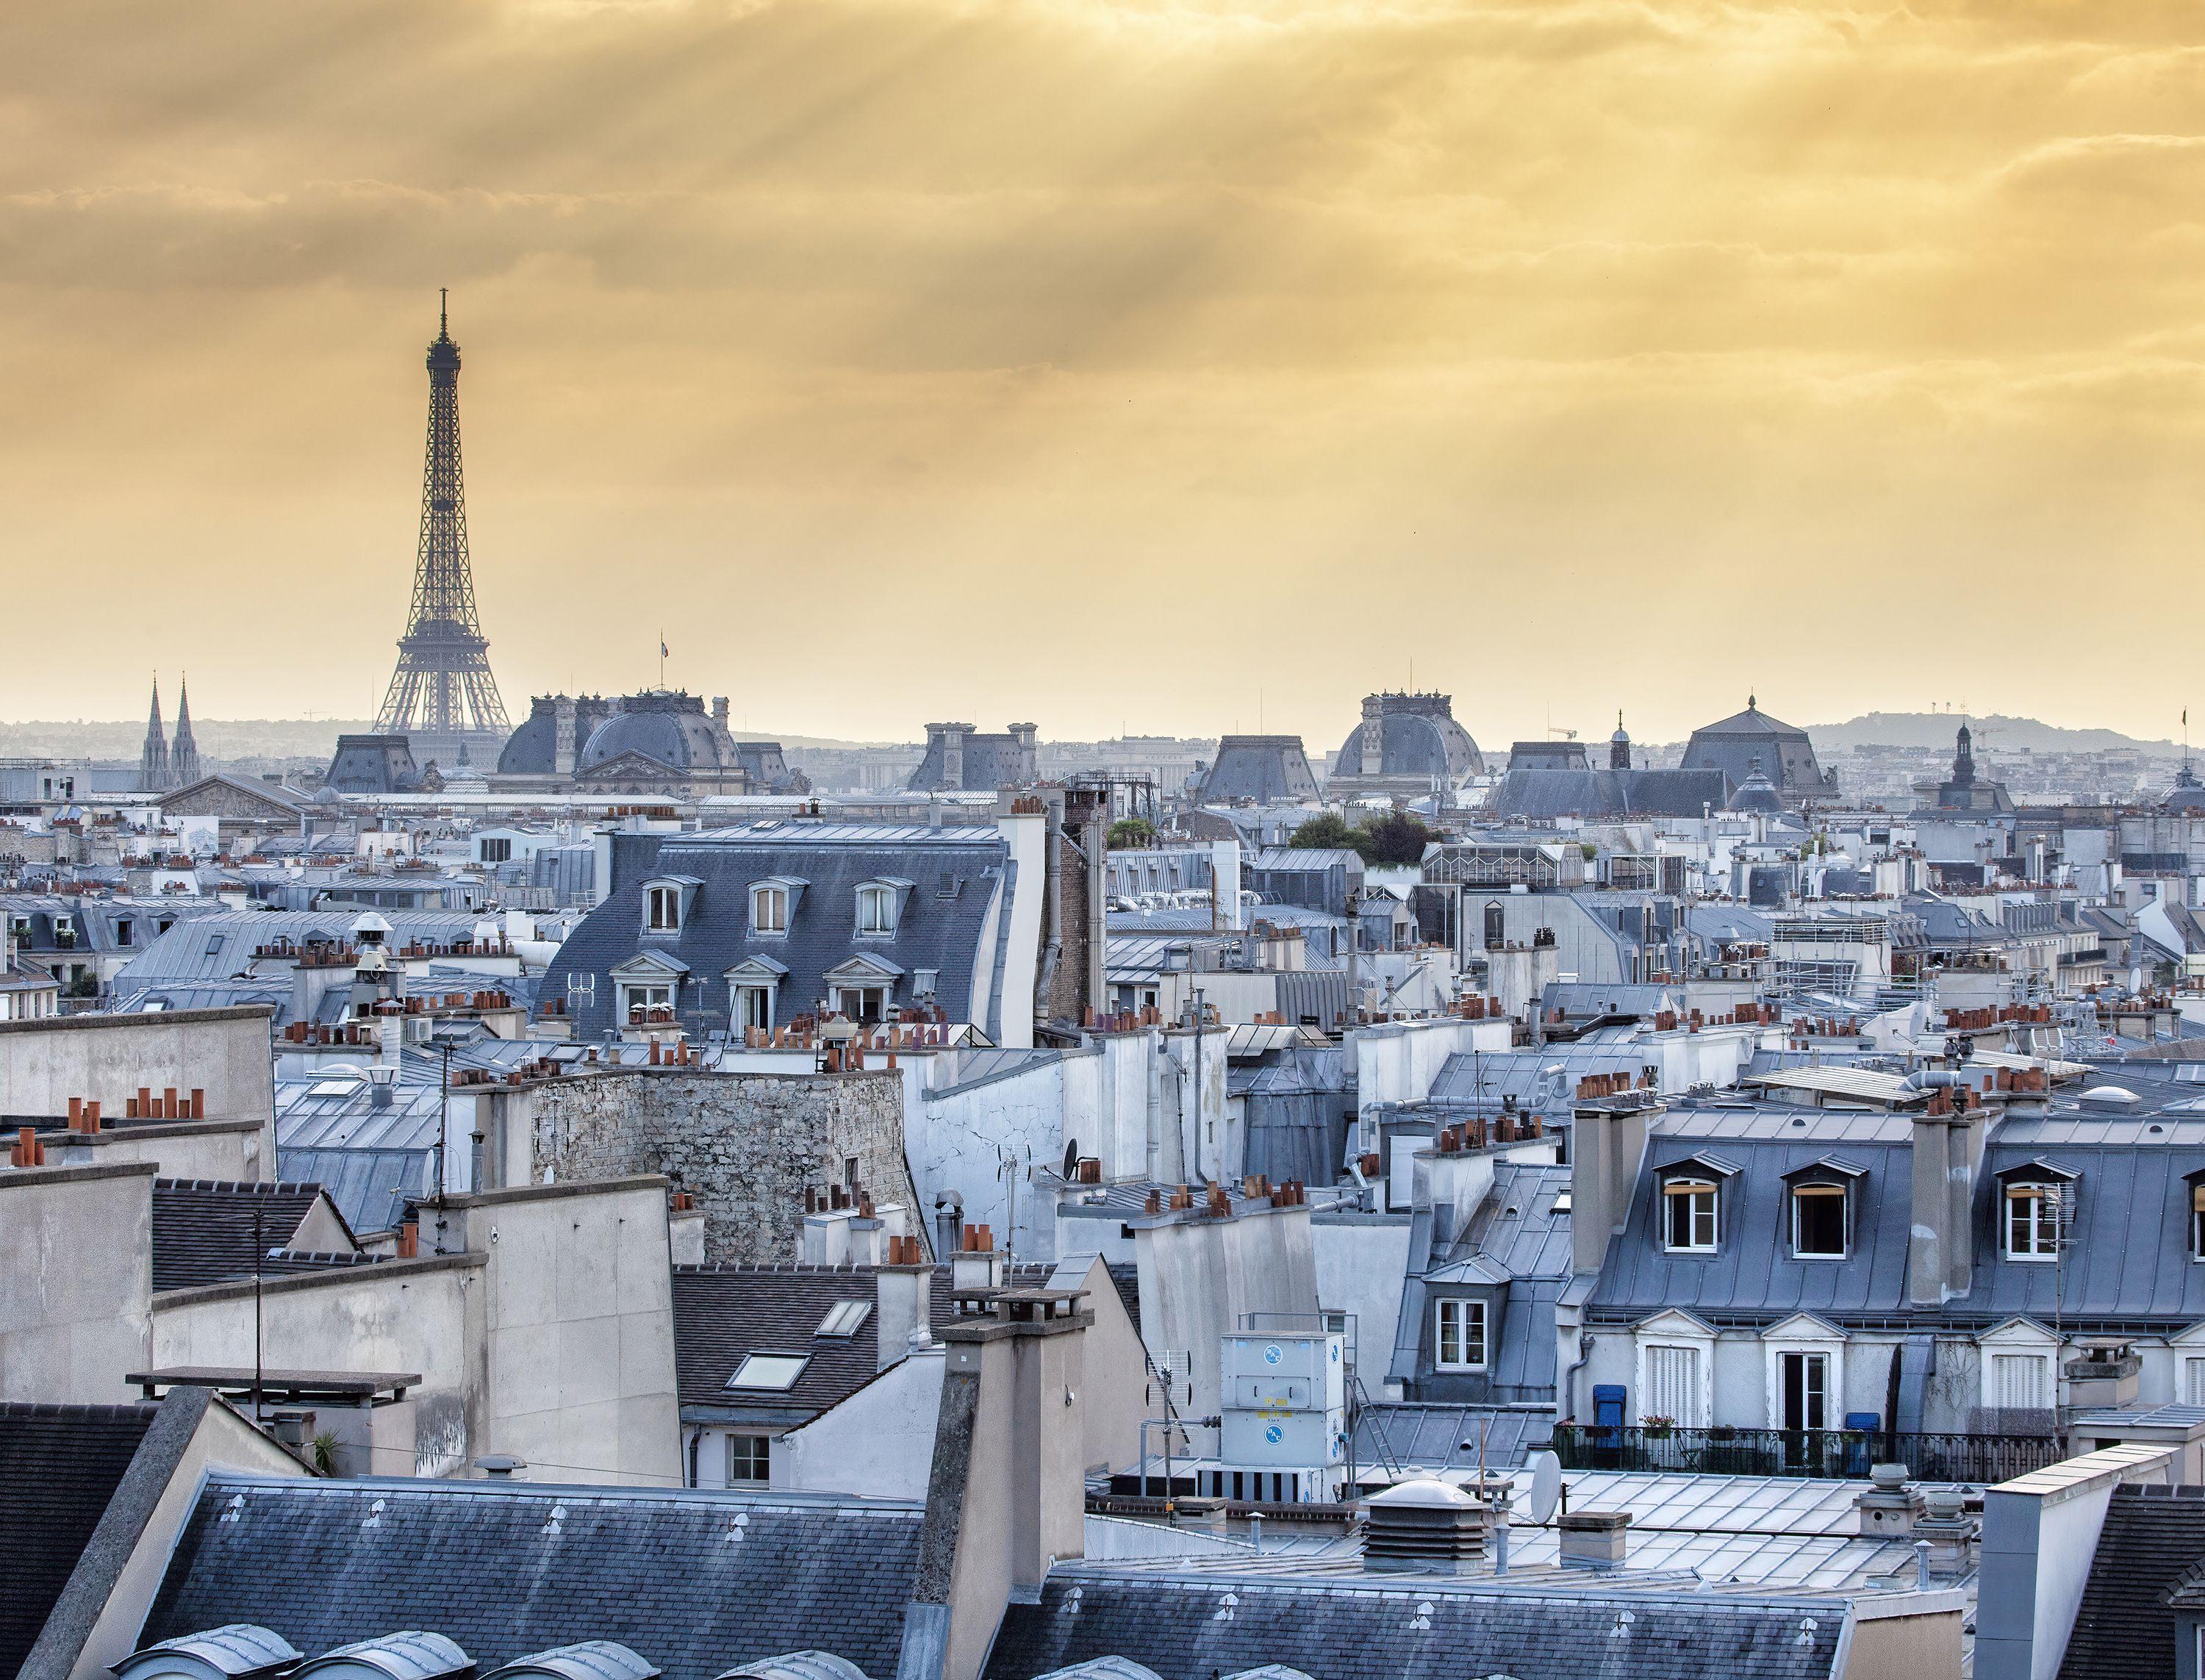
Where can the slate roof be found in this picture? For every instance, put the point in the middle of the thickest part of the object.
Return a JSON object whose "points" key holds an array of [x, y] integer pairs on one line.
{"points": [[1539, 795], [1259, 768], [2152, 1537], [204, 1229], [934, 930], [2130, 1257], [1754, 1276], [1408, 1628], [187, 951], [1481, 1080], [698, 1583], [1730, 746], [722, 1313], [59, 1467]]}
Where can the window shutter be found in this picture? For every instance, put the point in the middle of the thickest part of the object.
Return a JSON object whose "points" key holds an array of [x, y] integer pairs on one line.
{"points": [[2193, 1382], [1673, 1385], [2019, 1380]]}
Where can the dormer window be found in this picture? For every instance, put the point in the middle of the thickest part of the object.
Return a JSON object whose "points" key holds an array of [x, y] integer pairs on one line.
{"points": [[1821, 1207], [769, 909], [663, 908], [2198, 1218], [876, 910], [1688, 1214], [667, 902], [2038, 1213], [1819, 1222], [1458, 1333]]}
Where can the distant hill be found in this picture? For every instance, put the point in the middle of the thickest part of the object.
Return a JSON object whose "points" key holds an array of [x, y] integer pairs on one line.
{"points": [[1999, 734], [217, 737], [262, 737]]}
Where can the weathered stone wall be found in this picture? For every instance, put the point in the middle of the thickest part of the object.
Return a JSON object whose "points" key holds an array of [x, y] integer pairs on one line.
{"points": [[745, 1145]]}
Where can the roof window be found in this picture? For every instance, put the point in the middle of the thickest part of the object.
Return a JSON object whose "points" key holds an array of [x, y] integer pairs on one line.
{"points": [[843, 1318], [777, 1371]]}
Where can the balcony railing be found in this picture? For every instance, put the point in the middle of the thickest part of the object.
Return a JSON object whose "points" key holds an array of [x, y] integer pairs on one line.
{"points": [[1844, 1454]]}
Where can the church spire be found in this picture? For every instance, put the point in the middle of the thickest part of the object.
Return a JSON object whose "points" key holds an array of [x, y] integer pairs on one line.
{"points": [[153, 757], [184, 755]]}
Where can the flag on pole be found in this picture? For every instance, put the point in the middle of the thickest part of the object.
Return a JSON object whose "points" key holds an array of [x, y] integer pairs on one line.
{"points": [[663, 653]]}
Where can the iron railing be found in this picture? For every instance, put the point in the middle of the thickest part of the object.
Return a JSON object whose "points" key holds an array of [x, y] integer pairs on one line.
{"points": [[1839, 1453]]}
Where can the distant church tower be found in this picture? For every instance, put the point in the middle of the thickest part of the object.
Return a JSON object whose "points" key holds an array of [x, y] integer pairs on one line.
{"points": [[184, 755], [1619, 747], [153, 757]]}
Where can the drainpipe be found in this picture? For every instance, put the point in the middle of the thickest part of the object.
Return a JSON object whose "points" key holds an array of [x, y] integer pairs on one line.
{"points": [[1569, 1378]]}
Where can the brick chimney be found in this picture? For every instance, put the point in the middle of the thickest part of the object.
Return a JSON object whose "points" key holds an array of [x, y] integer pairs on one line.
{"points": [[977, 1265]]}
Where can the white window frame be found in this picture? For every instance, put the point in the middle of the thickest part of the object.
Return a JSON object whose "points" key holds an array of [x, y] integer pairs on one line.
{"points": [[2190, 1389], [1822, 1189], [768, 908], [738, 1011], [876, 910], [662, 909], [1696, 1190], [2017, 1339], [2042, 1362], [850, 1000], [2197, 1242], [1671, 1328], [638, 994], [1804, 1333], [1468, 1333], [2042, 1223]]}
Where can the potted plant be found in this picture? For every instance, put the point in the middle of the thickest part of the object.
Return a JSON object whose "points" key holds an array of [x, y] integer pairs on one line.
{"points": [[1657, 1427]]}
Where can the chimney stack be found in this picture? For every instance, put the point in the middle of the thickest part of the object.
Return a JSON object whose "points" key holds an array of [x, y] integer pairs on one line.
{"points": [[1606, 1148], [1940, 1259], [977, 1265], [902, 1300]]}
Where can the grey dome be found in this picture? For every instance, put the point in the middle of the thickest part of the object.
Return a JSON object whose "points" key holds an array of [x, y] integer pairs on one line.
{"points": [[1758, 793], [1408, 735], [2187, 794], [671, 729]]}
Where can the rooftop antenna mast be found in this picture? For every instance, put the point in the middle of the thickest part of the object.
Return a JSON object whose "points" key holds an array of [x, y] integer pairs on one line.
{"points": [[442, 684]]}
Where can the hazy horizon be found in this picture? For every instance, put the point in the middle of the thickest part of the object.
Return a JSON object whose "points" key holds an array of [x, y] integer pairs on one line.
{"points": [[1129, 367]]}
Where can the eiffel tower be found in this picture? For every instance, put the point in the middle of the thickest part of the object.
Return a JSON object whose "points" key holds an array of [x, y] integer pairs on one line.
{"points": [[442, 687]]}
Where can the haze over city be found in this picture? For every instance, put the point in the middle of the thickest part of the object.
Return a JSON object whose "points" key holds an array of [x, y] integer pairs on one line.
{"points": [[1102, 840], [1157, 368]]}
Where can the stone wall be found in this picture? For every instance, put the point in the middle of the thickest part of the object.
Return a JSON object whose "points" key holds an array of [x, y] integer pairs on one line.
{"points": [[745, 1145]]}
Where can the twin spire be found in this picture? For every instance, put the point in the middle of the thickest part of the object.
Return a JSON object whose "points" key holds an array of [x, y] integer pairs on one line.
{"points": [[163, 765]]}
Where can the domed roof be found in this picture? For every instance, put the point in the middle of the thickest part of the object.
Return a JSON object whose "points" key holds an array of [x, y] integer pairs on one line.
{"points": [[1408, 735], [1758, 793], [2188, 793], [1424, 1490], [671, 729]]}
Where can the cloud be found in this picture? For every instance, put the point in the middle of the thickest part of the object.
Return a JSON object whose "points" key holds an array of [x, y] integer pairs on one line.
{"points": [[973, 304]]}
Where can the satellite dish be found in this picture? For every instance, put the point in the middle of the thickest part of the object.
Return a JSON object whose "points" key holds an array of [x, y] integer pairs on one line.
{"points": [[1546, 1488], [1071, 1159]]}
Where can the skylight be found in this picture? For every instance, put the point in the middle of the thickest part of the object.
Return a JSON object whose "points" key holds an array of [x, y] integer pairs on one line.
{"points": [[843, 1318], [770, 1370]]}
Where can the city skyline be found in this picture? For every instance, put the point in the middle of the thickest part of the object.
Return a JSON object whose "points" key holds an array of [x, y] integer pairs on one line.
{"points": [[1255, 359]]}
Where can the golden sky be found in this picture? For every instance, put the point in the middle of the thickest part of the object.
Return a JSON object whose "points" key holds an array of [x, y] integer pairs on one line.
{"points": [[1115, 365]]}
